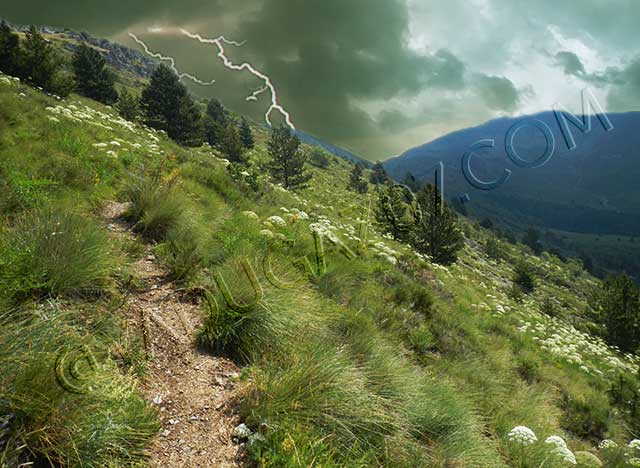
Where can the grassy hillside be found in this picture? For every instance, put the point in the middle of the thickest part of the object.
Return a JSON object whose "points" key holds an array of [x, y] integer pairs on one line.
{"points": [[381, 358]]}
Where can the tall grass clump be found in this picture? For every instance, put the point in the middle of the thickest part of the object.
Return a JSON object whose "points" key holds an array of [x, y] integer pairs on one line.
{"points": [[247, 316], [52, 252], [97, 419], [156, 206]]}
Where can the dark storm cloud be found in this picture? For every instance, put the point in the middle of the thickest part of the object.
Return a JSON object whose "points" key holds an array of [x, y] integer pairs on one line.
{"points": [[570, 63], [334, 53], [624, 81], [498, 92], [328, 58]]}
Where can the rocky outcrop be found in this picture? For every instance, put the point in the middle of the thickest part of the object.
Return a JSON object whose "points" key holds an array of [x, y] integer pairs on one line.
{"points": [[118, 56]]}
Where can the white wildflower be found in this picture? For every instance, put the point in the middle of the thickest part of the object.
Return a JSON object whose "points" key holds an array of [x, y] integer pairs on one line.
{"points": [[53, 119], [522, 435], [634, 444], [115, 143], [251, 215], [266, 233], [607, 444], [277, 220]]}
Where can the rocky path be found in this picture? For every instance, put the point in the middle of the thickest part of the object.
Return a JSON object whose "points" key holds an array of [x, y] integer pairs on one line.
{"points": [[195, 392]]}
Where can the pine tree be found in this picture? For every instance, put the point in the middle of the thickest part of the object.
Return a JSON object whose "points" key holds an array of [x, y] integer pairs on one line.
{"points": [[188, 127], [167, 106], [41, 66], [93, 79], [216, 121], [356, 182], [618, 303], [287, 160], [436, 233], [9, 50], [532, 239], [379, 174], [128, 106], [246, 135], [393, 214], [319, 157], [232, 145]]}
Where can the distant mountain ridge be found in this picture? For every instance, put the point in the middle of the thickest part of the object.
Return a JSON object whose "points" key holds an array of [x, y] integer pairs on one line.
{"points": [[593, 188]]}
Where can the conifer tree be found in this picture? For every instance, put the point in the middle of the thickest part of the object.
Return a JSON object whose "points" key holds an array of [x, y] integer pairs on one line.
{"points": [[167, 106], [215, 122], [128, 105], [41, 66], [9, 50], [232, 146], [618, 304], [356, 181], [246, 135], [392, 212], [287, 160], [436, 233], [93, 79], [378, 174]]}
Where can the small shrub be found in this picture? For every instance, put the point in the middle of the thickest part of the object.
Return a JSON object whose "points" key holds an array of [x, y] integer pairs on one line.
{"points": [[524, 277], [587, 416]]}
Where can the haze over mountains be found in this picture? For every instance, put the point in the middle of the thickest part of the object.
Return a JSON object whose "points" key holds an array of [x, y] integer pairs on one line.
{"points": [[591, 189]]}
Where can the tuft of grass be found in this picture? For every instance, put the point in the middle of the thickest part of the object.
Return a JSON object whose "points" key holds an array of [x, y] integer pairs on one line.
{"points": [[53, 252], [104, 424], [156, 207]]}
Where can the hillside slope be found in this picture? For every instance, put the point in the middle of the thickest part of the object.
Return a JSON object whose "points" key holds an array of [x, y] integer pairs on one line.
{"points": [[381, 358]]}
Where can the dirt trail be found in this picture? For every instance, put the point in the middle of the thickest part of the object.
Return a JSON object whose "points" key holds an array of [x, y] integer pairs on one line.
{"points": [[195, 392]]}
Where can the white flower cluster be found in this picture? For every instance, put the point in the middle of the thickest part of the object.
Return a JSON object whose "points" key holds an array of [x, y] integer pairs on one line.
{"points": [[522, 435], [8, 80], [634, 444], [607, 444], [560, 449], [251, 215], [565, 342], [296, 215], [324, 228], [382, 250], [276, 220]]}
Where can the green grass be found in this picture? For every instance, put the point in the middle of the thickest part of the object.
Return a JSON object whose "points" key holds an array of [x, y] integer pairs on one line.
{"points": [[105, 423], [52, 252]]}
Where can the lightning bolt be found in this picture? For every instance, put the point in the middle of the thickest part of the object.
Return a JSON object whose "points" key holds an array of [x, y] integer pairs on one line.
{"points": [[220, 42], [171, 61], [268, 85]]}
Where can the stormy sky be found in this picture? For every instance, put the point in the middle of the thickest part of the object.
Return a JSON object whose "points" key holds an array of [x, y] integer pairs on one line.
{"points": [[380, 76]]}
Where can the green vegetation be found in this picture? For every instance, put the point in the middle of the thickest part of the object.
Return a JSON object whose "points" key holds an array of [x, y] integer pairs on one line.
{"points": [[436, 233], [167, 106], [246, 134], [287, 164], [93, 79], [319, 158], [356, 182], [378, 174], [369, 353], [128, 106], [618, 302]]}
